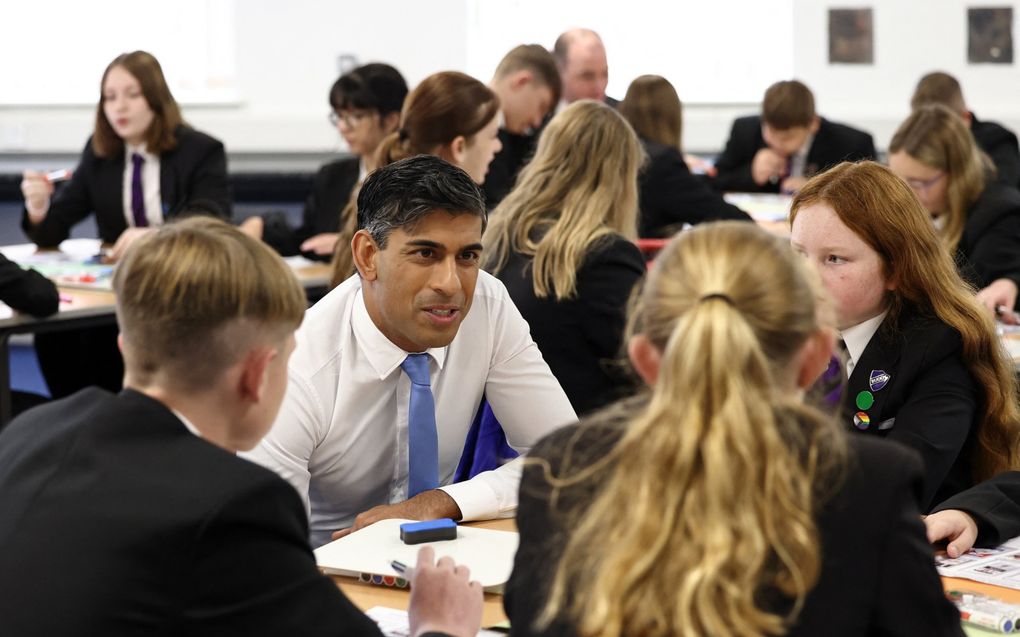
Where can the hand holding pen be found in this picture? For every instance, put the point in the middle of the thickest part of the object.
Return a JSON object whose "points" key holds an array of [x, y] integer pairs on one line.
{"points": [[37, 188], [443, 597]]}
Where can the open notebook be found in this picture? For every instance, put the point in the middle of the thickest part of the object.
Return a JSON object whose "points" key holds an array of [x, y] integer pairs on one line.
{"points": [[368, 552]]}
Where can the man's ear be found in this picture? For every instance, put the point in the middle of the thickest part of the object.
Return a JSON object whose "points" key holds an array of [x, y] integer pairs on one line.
{"points": [[364, 250], [458, 149], [816, 123], [254, 372], [645, 358]]}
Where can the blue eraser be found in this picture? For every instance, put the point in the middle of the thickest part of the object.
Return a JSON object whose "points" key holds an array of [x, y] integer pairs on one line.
{"points": [[428, 531]]}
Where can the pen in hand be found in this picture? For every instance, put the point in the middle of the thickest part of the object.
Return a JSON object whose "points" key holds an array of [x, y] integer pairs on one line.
{"points": [[407, 572]]}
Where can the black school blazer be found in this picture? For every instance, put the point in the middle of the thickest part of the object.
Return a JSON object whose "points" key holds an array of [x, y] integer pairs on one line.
{"points": [[833, 143], [194, 170], [989, 248], [924, 397]]}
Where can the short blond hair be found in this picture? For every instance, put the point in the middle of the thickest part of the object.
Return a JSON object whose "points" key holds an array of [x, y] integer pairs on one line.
{"points": [[194, 295]]}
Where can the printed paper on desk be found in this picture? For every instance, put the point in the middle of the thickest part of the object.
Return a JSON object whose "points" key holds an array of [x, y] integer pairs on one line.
{"points": [[488, 553], [999, 566]]}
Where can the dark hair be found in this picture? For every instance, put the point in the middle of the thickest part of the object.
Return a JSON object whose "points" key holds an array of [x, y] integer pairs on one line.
{"points": [[444, 106], [167, 114], [378, 87], [400, 194], [788, 104], [534, 58]]}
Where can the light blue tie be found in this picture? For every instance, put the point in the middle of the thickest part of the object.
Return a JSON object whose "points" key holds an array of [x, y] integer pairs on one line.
{"points": [[423, 445]]}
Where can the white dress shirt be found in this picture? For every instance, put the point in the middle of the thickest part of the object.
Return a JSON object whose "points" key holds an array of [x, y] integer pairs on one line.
{"points": [[341, 436], [150, 186], [857, 338], [798, 161]]}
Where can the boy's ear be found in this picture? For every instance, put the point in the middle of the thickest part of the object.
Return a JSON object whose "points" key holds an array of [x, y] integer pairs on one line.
{"points": [[254, 372]]}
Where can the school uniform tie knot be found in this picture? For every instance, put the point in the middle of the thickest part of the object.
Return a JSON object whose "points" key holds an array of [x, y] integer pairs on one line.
{"points": [[137, 196], [422, 439]]}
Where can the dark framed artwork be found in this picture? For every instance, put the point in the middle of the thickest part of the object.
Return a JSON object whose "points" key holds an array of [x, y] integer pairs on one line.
{"points": [[851, 36], [990, 35]]}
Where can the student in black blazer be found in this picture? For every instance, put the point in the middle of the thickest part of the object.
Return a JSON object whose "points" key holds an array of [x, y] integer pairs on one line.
{"points": [[707, 514], [365, 105], [925, 366], [998, 142], [527, 83], [789, 143], [29, 292], [131, 514], [561, 242], [137, 122], [977, 218], [670, 195]]}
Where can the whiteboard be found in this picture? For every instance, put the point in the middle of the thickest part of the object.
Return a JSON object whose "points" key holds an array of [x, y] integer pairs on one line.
{"points": [[724, 51], [54, 52]]}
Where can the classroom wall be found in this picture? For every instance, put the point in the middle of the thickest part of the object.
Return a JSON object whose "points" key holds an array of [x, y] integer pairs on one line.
{"points": [[287, 59]]}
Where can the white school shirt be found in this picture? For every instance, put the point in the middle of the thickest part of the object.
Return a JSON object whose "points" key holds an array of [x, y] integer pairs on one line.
{"points": [[150, 186], [857, 338], [341, 436], [798, 161]]}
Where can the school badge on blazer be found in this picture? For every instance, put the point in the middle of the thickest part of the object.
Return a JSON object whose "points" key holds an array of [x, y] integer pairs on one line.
{"points": [[878, 379]]}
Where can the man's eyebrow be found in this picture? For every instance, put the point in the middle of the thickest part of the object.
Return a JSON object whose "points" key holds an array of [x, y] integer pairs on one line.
{"points": [[473, 246], [425, 243]]}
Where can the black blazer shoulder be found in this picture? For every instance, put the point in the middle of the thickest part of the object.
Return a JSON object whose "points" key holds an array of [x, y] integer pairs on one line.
{"points": [[506, 165], [192, 174], [923, 396], [877, 576], [27, 290], [581, 338], [168, 531], [995, 506], [331, 191], [832, 144], [1000, 144], [671, 196], [989, 248]]}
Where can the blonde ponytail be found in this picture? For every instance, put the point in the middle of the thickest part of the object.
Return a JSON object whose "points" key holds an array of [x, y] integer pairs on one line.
{"points": [[710, 498]]}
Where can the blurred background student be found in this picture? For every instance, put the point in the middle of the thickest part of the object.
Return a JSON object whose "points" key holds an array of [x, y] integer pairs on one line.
{"points": [[977, 217], [998, 142], [527, 83], [142, 166], [670, 195], [562, 243], [720, 504], [365, 107], [451, 115]]}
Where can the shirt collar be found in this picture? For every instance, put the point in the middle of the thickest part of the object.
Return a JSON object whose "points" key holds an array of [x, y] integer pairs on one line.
{"points": [[382, 354], [857, 337], [187, 423], [140, 149]]}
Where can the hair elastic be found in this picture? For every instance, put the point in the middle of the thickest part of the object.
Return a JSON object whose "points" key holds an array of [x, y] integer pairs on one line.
{"points": [[717, 295]]}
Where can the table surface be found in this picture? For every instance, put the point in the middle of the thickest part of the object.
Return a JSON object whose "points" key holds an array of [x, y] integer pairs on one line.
{"points": [[367, 596]]}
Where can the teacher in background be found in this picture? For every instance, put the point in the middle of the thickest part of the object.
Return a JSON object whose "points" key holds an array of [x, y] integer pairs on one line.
{"points": [[142, 165]]}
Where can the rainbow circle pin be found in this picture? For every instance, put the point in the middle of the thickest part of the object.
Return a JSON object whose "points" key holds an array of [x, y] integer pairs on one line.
{"points": [[862, 421]]}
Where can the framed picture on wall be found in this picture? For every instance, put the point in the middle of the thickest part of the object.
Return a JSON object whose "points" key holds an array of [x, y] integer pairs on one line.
{"points": [[851, 36], [990, 35]]}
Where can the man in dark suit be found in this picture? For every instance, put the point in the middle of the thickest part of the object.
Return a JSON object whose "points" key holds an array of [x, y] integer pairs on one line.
{"points": [[130, 514], [787, 144], [581, 58], [998, 142], [528, 85]]}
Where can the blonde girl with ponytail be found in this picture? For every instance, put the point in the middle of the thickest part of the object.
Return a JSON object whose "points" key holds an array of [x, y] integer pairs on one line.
{"points": [[717, 503]]}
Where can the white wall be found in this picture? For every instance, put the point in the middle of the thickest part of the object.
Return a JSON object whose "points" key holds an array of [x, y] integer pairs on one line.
{"points": [[286, 55]]}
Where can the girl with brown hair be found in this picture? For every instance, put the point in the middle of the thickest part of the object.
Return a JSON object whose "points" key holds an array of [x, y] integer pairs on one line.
{"points": [[976, 218], [450, 115], [925, 366]]}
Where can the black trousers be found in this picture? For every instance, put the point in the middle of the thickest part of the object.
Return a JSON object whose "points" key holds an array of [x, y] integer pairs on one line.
{"points": [[74, 359]]}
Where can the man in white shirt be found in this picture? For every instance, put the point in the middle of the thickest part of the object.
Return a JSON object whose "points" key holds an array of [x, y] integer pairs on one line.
{"points": [[342, 436]]}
